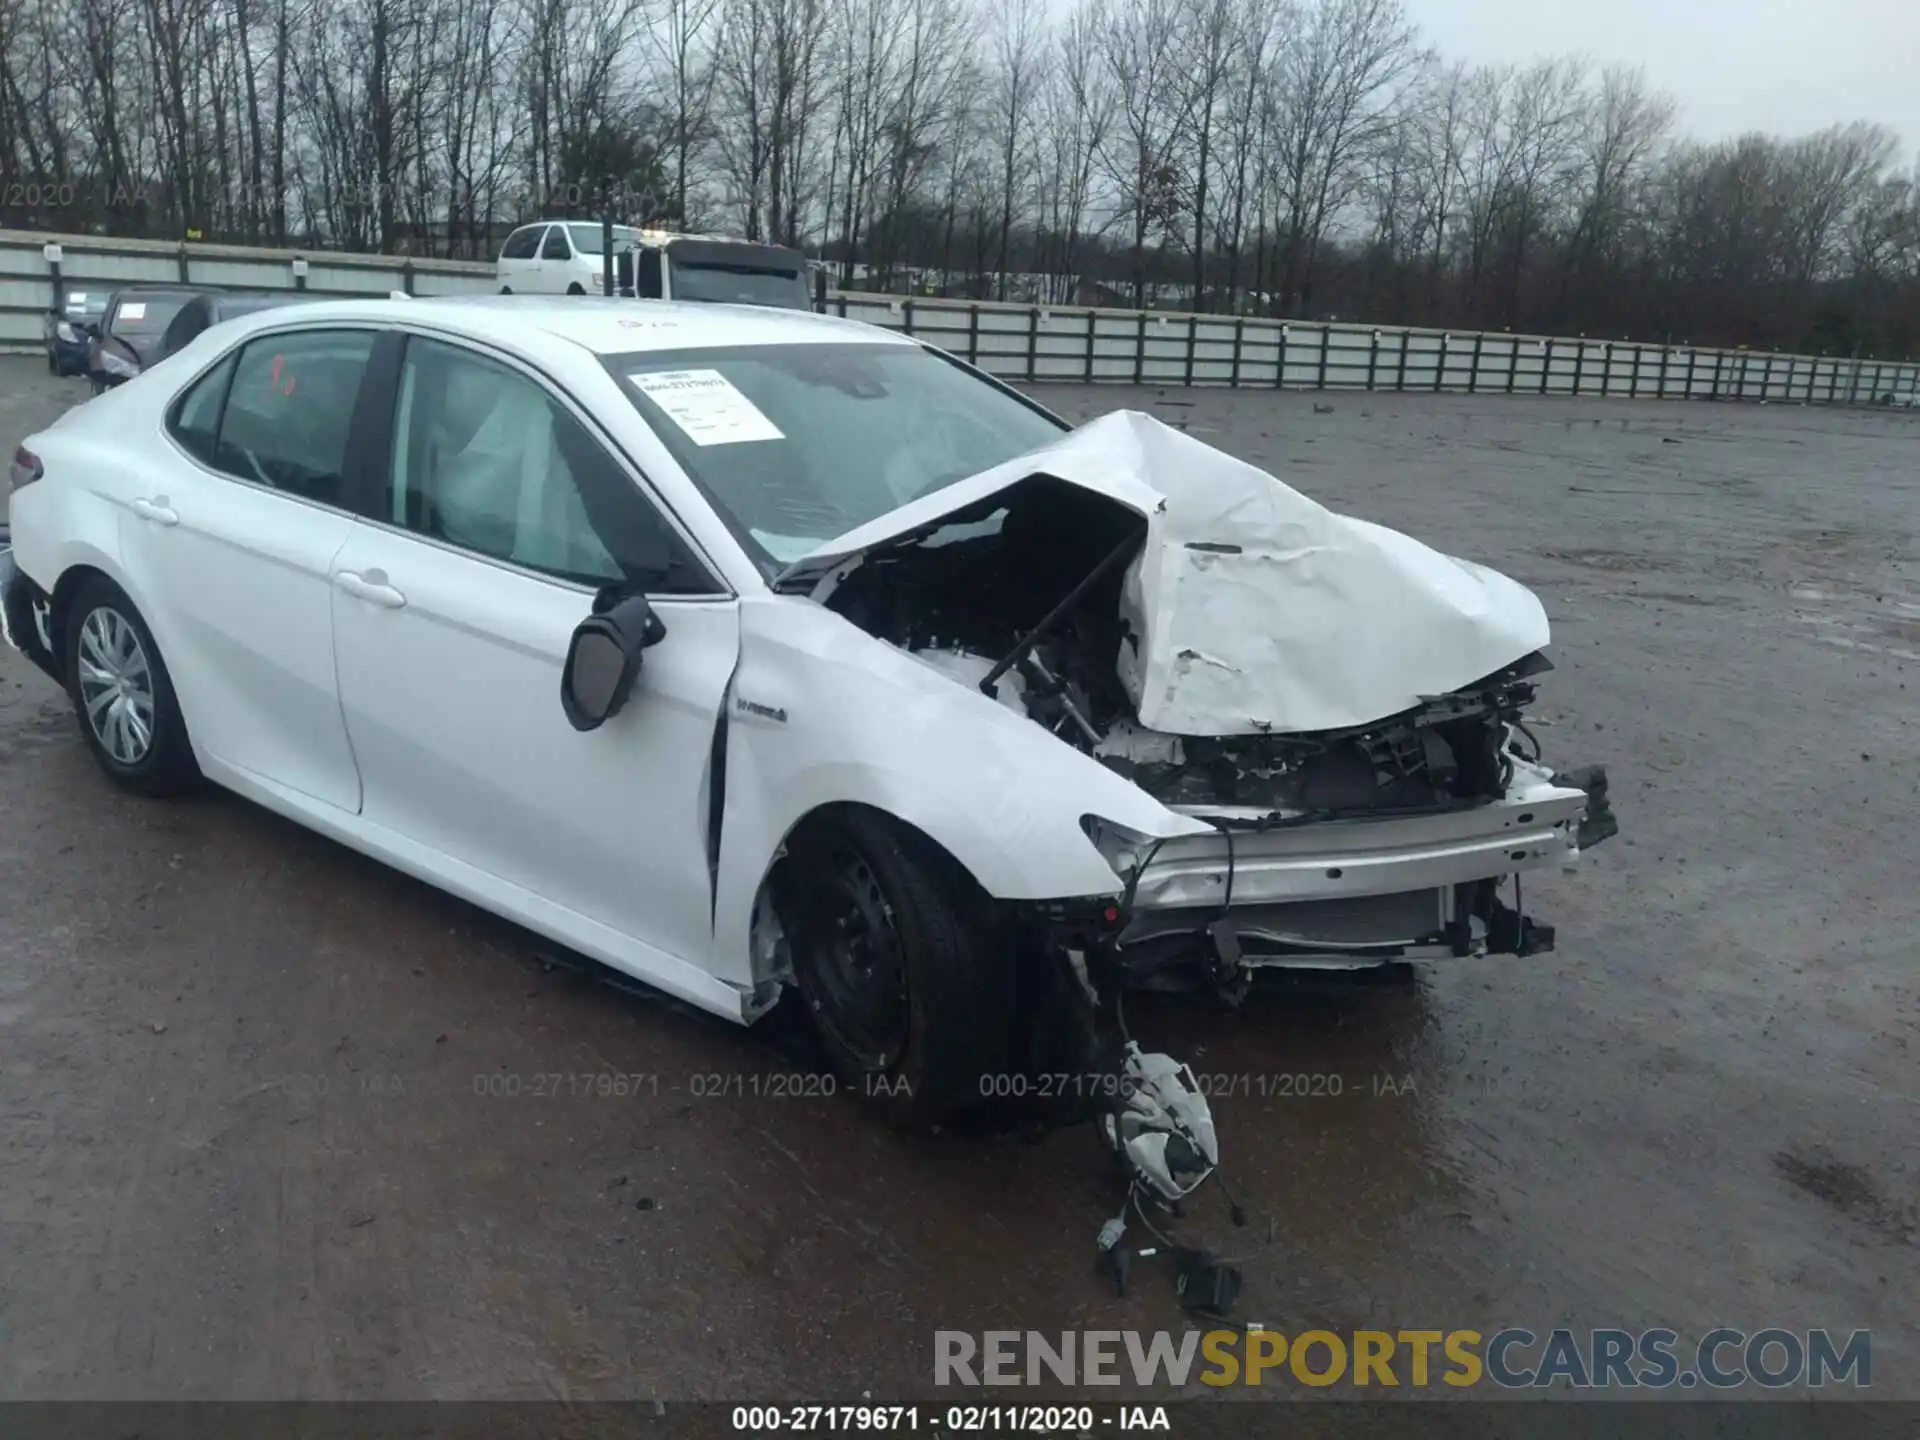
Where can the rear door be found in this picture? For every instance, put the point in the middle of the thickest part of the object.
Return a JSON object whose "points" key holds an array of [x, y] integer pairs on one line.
{"points": [[556, 262], [231, 537], [505, 511]]}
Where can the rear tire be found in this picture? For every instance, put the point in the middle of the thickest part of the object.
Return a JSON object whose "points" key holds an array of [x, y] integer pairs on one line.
{"points": [[506, 289], [897, 966], [576, 289], [122, 694]]}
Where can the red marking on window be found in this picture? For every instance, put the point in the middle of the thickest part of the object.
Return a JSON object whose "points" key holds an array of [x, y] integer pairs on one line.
{"points": [[276, 381]]}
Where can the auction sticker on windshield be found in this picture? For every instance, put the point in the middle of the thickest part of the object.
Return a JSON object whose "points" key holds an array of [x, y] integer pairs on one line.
{"points": [[707, 405]]}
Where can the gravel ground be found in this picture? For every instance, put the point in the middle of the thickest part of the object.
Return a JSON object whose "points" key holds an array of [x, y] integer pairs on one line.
{"points": [[249, 1146]]}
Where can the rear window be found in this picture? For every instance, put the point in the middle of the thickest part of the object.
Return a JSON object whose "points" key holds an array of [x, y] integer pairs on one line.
{"points": [[586, 238], [146, 314], [740, 285]]}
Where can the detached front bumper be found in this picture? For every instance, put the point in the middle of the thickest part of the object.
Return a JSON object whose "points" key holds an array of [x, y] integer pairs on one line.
{"points": [[1352, 893]]}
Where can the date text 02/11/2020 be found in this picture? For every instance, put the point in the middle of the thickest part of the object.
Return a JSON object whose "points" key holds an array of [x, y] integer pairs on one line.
{"points": [[1011, 1419]]}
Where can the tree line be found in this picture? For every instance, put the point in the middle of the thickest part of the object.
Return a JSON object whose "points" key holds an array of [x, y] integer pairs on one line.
{"points": [[1308, 158]]}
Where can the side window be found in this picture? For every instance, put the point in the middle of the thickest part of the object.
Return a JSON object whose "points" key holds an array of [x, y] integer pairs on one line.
{"points": [[290, 411], [649, 274], [196, 419], [485, 459], [522, 244], [556, 247]]}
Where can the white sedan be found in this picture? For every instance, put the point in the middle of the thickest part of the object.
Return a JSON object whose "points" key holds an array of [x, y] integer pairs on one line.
{"points": [[749, 651]]}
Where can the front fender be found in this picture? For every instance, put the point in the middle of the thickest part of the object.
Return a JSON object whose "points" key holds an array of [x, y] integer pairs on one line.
{"points": [[821, 713]]}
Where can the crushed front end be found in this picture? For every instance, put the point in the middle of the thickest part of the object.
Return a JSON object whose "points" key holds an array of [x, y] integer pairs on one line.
{"points": [[1285, 682]]}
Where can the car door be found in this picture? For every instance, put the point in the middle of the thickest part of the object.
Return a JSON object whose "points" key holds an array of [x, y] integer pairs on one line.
{"points": [[556, 262], [518, 267], [504, 514], [230, 539]]}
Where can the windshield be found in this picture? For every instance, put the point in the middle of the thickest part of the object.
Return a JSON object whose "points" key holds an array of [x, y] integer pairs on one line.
{"points": [[730, 285], [798, 444], [82, 304], [586, 239], [146, 314]]}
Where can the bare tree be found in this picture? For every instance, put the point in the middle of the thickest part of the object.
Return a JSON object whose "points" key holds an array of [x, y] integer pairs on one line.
{"points": [[1019, 60], [681, 40], [1141, 51], [1336, 86]]}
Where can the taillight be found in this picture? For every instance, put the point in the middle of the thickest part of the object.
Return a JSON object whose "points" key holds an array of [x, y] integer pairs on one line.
{"points": [[26, 468]]}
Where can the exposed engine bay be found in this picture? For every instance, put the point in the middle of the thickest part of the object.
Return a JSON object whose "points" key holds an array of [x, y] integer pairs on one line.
{"points": [[964, 597]]}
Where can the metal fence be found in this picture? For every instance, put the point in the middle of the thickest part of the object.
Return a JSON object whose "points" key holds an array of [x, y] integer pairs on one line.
{"points": [[1037, 344]]}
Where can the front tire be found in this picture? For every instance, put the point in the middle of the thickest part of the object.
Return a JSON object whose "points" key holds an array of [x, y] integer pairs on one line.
{"points": [[122, 694], [506, 289], [896, 964], [576, 289]]}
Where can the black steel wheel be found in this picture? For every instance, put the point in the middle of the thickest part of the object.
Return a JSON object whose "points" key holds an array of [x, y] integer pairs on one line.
{"points": [[896, 964]]}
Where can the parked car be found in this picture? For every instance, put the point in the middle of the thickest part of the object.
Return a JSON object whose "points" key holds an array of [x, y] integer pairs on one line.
{"points": [[558, 257], [132, 331], [753, 653], [68, 331], [206, 310]]}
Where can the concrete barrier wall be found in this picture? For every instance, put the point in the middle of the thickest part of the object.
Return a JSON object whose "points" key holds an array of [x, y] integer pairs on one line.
{"points": [[1042, 343], [27, 277]]}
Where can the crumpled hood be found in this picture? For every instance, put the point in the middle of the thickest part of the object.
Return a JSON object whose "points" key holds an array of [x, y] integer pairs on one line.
{"points": [[1254, 607]]}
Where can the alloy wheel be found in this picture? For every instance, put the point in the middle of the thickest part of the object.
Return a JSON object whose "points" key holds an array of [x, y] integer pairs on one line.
{"points": [[116, 686]]}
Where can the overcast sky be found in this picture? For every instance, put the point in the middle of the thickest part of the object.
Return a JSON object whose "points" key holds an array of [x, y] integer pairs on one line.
{"points": [[1784, 66]]}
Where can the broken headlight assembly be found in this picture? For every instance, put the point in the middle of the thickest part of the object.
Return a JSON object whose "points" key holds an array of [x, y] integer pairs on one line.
{"points": [[1126, 850]]}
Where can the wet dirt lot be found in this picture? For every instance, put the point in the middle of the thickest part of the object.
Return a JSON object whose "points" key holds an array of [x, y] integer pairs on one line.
{"points": [[275, 1121]]}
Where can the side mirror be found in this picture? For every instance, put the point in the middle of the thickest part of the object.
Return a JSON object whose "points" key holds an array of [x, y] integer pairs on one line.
{"points": [[603, 658]]}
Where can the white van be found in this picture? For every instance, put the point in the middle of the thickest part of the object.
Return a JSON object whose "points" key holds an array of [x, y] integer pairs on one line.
{"points": [[558, 257]]}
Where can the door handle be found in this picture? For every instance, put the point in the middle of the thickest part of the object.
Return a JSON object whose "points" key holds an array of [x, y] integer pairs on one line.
{"points": [[156, 510], [371, 587]]}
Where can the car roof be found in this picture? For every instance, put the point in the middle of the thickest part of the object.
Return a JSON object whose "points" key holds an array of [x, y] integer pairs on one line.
{"points": [[244, 302], [601, 325]]}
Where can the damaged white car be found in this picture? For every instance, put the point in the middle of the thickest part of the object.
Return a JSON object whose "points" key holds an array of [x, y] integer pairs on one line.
{"points": [[752, 652]]}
